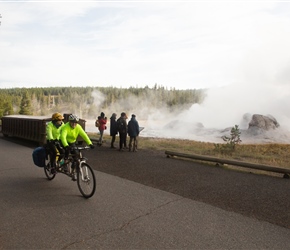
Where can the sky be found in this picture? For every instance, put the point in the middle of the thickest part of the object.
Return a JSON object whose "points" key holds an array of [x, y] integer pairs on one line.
{"points": [[237, 50], [174, 44]]}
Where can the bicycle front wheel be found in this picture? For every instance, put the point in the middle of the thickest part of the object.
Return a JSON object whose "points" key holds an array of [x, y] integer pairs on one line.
{"points": [[86, 180]]}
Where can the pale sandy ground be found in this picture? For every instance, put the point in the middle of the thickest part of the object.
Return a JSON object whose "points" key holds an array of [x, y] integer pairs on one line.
{"points": [[156, 129]]}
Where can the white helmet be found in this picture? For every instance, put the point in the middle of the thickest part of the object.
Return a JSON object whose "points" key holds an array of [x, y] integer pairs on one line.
{"points": [[73, 118]]}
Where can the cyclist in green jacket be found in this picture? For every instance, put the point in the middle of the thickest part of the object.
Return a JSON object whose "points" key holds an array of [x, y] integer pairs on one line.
{"points": [[69, 134], [53, 129]]}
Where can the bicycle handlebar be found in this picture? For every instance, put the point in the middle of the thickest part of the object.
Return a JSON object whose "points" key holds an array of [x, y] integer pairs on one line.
{"points": [[80, 147]]}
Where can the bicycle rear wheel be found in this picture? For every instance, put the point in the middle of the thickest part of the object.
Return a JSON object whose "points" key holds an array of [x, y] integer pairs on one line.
{"points": [[86, 180], [47, 170]]}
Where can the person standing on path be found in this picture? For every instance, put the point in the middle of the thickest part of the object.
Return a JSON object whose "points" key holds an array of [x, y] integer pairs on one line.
{"points": [[102, 127], [133, 132], [122, 129], [113, 129]]}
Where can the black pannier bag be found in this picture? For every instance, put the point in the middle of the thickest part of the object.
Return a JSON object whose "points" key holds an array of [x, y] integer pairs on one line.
{"points": [[38, 156]]}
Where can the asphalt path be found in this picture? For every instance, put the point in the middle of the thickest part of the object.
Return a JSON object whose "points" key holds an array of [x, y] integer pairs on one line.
{"points": [[143, 201]]}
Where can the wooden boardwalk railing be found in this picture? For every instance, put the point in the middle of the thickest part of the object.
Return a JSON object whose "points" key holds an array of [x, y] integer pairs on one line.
{"points": [[284, 171]]}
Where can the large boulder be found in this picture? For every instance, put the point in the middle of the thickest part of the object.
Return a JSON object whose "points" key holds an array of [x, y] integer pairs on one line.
{"points": [[261, 123]]}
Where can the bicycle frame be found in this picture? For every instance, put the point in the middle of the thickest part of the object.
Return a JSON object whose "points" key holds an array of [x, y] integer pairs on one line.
{"points": [[83, 160], [78, 157]]}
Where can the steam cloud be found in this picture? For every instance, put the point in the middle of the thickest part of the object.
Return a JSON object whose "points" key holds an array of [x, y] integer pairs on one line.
{"points": [[223, 108]]}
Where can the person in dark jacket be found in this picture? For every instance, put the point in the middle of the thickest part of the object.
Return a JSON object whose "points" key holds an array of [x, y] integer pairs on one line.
{"points": [[122, 129], [113, 129], [133, 132]]}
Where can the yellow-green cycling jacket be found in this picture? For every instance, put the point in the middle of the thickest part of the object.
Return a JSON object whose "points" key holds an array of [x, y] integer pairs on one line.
{"points": [[53, 132], [69, 135]]}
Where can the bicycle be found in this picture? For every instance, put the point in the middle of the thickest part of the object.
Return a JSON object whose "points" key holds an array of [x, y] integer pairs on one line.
{"points": [[86, 179]]}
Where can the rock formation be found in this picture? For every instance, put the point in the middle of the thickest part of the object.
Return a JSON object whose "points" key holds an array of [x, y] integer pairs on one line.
{"points": [[261, 123]]}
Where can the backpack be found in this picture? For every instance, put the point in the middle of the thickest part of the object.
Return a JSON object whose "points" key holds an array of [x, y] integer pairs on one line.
{"points": [[121, 125], [39, 156], [97, 123]]}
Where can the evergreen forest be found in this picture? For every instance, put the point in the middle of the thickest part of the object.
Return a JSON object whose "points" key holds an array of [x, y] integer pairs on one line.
{"points": [[87, 102]]}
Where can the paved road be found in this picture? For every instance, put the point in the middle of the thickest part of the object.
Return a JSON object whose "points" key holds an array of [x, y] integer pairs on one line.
{"points": [[262, 197], [124, 214]]}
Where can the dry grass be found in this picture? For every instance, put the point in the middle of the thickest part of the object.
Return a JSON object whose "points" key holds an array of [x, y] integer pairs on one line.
{"points": [[267, 154]]}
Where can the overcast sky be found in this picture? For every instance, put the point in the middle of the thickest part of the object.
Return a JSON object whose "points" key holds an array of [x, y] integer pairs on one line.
{"points": [[175, 44]]}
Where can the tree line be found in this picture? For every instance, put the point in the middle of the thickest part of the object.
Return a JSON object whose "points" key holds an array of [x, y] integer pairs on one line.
{"points": [[87, 101]]}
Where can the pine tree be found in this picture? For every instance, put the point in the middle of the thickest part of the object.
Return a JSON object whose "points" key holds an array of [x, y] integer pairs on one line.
{"points": [[25, 106]]}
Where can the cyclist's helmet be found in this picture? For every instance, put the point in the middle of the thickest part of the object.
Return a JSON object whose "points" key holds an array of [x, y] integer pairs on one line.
{"points": [[57, 117], [73, 118]]}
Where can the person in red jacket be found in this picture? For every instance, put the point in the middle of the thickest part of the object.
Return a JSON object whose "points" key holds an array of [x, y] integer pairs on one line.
{"points": [[102, 127]]}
